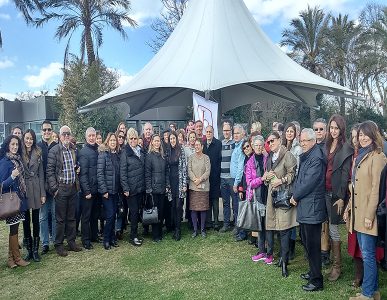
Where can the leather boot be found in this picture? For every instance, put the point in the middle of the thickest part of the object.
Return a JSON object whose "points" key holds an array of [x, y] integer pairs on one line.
{"points": [[14, 242], [178, 235], [358, 272], [11, 263], [284, 268], [35, 249], [292, 249], [29, 255], [336, 266]]}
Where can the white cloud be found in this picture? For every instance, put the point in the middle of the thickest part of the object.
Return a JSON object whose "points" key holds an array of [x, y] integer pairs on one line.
{"points": [[6, 63], [8, 96], [124, 76], [3, 2], [45, 74], [5, 17], [269, 11], [143, 11]]}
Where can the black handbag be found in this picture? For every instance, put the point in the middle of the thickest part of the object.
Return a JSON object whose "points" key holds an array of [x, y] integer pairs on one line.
{"points": [[281, 198], [150, 215]]}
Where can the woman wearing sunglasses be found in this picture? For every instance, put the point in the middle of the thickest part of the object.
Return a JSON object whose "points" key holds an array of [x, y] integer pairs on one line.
{"points": [[281, 168]]}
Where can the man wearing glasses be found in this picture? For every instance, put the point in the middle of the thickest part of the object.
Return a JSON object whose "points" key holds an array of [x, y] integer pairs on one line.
{"points": [[62, 178], [49, 206], [320, 129]]}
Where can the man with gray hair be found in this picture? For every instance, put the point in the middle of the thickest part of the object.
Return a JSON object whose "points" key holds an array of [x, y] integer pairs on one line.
{"points": [[62, 178], [309, 197], [320, 128], [88, 157]]}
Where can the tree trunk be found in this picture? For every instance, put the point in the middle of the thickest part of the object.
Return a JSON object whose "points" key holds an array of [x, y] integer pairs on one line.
{"points": [[89, 47], [342, 99]]}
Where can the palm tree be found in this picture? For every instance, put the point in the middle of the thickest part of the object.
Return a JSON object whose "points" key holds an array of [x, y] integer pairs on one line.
{"points": [[27, 8], [91, 16], [306, 37], [342, 37]]}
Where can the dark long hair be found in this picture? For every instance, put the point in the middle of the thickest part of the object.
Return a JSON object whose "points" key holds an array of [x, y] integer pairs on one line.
{"points": [[341, 139], [177, 148], [370, 129], [33, 147], [284, 140], [5, 145]]}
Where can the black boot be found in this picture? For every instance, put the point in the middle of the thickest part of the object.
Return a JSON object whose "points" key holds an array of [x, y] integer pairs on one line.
{"points": [[177, 234], [279, 263], [292, 249], [35, 249], [29, 255], [284, 268]]}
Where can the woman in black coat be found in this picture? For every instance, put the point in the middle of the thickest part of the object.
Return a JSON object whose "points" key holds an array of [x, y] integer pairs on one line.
{"points": [[157, 181], [108, 176], [178, 180], [133, 181], [337, 177]]}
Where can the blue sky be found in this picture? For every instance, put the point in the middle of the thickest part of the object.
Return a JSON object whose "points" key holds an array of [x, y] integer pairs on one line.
{"points": [[31, 58]]}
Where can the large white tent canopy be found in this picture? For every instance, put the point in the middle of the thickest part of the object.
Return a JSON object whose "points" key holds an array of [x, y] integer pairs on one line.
{"points": [[217, 47]]}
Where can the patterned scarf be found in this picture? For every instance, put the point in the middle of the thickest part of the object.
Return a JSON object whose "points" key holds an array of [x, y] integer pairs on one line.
{"points": [[17, 162]]}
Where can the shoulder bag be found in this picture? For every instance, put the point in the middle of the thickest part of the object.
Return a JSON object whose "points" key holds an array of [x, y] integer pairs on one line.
{"points": [[9, 203]]}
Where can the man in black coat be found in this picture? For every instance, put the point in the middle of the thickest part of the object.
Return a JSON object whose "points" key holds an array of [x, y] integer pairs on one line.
{"points": [[213, 148], [88, 158], [309, 197]]}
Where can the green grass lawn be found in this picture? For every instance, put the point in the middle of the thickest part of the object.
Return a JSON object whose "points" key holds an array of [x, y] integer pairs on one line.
{"points": [[211, 268]]}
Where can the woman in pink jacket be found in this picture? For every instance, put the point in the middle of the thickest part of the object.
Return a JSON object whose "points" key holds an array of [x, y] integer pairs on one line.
{"points": [[255, 170]]}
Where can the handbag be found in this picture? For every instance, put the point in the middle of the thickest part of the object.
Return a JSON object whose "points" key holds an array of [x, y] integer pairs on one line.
{"points": [[151, 215], [9, 203], [249, 216], [281, 198]]}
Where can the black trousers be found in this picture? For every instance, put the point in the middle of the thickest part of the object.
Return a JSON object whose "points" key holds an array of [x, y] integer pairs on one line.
{"points": [[134, 204], [35, 223], [285, 243], [213, 211], [65, 203], [176, 212], [159, 201], [167, 214], [311, 238], [89, 219]]}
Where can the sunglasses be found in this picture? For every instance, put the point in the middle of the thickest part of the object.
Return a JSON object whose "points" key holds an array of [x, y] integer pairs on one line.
{"points": [[66, 133], [271, 141], [133, 138], [47, 129], [319, 129], [121, 137], [246, 147]]}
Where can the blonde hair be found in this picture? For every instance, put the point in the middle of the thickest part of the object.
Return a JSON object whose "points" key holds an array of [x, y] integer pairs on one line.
{"points": [[256, 126], [152, 149], [131, 133]]}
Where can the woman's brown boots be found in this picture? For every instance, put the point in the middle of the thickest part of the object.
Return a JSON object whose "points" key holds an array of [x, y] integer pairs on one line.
{"points": [[14, 257]]}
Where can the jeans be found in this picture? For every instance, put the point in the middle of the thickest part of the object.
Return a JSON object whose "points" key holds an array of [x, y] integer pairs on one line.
{"points": [[226, 190], [367, 244], [110, 210], [265, 236], [45, 211], [333, 228]]}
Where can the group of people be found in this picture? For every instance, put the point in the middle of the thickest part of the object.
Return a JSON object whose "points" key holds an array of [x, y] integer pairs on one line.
{"points": [[104, 186]]}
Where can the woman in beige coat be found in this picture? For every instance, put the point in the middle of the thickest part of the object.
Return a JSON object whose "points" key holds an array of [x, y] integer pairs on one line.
{"points": [[199, 168], [36, 192], [363, 204], [281, 166]]}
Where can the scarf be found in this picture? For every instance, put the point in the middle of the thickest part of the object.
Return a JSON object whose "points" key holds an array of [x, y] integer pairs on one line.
{"points": [[362, 153], [17, 162]]}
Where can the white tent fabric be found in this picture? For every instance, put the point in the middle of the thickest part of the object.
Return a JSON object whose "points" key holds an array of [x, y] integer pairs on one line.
{"points": [[217, 46]]}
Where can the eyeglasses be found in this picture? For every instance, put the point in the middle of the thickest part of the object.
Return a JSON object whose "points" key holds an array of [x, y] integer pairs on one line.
{"points": [[66, 133], [246, 147], [133, 138], [225, 130], [319, 129], [121, 137], [46, 129], [271, 141]]}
